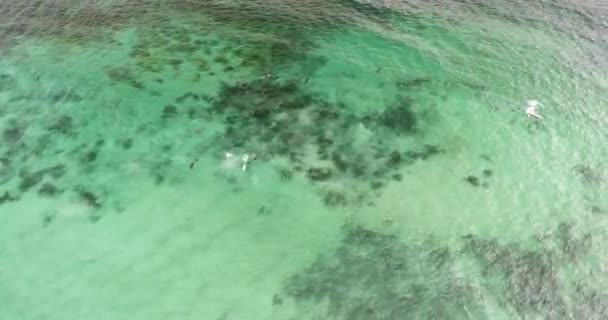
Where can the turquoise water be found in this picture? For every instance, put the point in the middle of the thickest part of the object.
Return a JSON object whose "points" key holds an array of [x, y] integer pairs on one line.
{"points": [[397, 175]]}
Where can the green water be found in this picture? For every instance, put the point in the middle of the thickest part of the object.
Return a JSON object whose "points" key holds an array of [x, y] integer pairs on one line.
{"points": [[397, 175]]}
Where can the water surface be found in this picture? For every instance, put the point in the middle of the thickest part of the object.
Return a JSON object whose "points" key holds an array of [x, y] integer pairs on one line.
{"points": [[397, 175]]}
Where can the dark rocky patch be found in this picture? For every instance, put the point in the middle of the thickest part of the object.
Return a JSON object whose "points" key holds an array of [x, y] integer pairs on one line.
{"points": [[88, 197], [340, 162], [221, 60], [285, 174], [120, 74], [56, 172], [424, 154], [126, 143], [379, 173], [373, 276], [169, 111], [63, 125], [394, 159], [193, 163], [207, 98], [397, 177], [472, 86], [89, 156], [588, 173], [275, 115], [158, 170], [14, 132], [319, 174], [399, 118], [66, 95], [139, 53], [6, 81], [48, 190], [276, 300], [7, 197], [30, 179], [231, 119], [5, 162], [359, 169], [487, 173], [6, 171], [595, 209], [413, 83], [572, 248], [183, 48], [47, 219], [158, 178], [136, 84], [94, 217], [186, 96], [100, 143], [264, 211], [532, 285], [377, 184], [175, 62], [334, 199], [193, 113], [472, 180]]}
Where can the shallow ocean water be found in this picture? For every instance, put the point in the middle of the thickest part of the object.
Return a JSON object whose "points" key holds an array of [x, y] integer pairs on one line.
{"points": [[397, 175]]}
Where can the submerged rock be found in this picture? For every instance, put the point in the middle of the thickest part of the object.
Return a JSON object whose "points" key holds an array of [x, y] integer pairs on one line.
{"points": [[169, 111], [394, 159], [47, 219], [13, 133], [376, 184], [89, 156], [7, 197], [56, 172], [472, 180], [30, 179], [427, 152], [88, 197], [120, 74], [286, 174], [391, 277], [319, 174], [373, 276], [276, 300], [413, 83], [63, 125], [48, 190], [276, 115], [532, 284], [334, 199], [400, 118], [595, 209], [126, 143], [588, 173]]}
